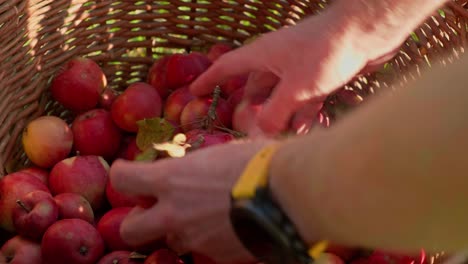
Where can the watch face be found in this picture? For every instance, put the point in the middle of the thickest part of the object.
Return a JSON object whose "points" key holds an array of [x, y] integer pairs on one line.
{"points": [[259, 235]]}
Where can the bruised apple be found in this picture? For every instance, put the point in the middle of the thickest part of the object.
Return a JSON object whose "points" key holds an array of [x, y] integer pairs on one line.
{"points": [[73, 205], [176, 102], [84, 175], [13, 187], [34, 213], [177, 70], [19, 250], [78, 85], [199, 138], [109, 228], [72, 241], [197, 109], [139, 101], [47, 140], [95, 133]]}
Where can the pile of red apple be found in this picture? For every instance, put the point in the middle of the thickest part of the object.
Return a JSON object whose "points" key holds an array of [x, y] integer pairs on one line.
{"points": [[64, 210]]}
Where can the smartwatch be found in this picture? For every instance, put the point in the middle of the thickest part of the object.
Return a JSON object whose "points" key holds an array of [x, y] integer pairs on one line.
{"points": [[260, 223]]}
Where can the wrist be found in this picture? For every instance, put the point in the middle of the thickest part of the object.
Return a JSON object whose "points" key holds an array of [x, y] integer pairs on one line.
{"points": [[256, 211], [287, 173]]}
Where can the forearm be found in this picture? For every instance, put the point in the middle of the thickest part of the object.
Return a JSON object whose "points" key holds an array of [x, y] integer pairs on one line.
{"points": [[392, 175], [383, 21]]}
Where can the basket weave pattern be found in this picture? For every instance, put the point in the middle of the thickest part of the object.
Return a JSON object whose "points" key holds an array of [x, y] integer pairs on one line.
{"points": [[124, 37]]}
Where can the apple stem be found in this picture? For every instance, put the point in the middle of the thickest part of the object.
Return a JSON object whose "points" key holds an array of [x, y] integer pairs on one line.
{"points": [[20, 203], [235, 133], [136, 256], [83, 250], [78, 153], [212, 110], [197, 143]]}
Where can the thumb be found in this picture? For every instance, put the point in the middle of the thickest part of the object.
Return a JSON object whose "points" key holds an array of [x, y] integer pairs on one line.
{"points": [[143, 226]]}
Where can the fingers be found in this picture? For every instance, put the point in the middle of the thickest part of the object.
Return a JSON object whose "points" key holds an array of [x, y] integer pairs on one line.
{"points": [[305, 118], [278, 111], [231, 64], [259, 85], [135, 178], [144, 226]]}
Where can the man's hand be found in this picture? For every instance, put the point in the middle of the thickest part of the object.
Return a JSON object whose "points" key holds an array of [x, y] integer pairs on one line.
{"points": [[299, 66], [193, 200]]}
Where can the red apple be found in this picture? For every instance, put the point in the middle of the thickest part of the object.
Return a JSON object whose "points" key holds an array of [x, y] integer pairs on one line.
{"points": [[19, 250], [118, 199], [73, 205], [128, 148], [12, 188], [109, 228], [47, 140], [157, 76], [217, 50], [177, 70], [107, 98], [84, 175], [236, 97], [118, 257], [176, 102], [95, 133], [72, 241], [139, 101], [34, 213], [78, 84], [199, 138], [197, 109], [233, 84], [163, 256], [39, 173], [182, 69]]}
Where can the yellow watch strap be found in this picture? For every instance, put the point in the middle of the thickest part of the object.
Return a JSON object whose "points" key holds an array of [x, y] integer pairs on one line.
{"points": [[255, 173]]}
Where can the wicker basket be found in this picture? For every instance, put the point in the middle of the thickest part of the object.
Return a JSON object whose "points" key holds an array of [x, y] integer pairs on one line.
{"points": [[125, 37]]}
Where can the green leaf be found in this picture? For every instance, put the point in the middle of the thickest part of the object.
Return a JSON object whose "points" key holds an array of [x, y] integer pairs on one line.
{"points": [[149, 154], [151, 131]]}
